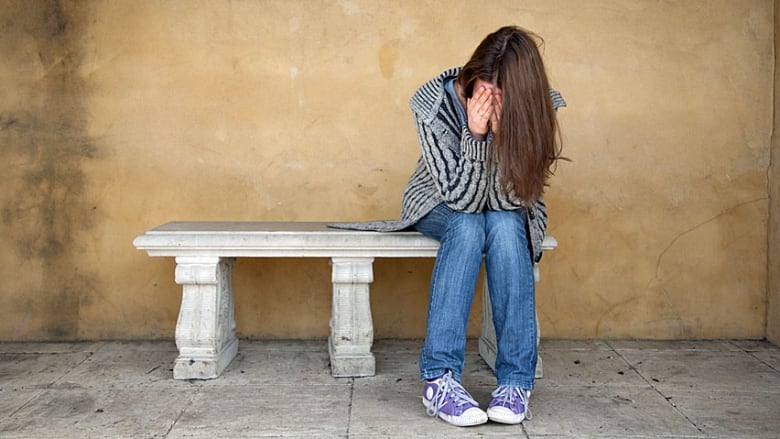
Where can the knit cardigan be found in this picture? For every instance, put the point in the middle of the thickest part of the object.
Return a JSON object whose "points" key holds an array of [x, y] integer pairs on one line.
{"points": [[453, 168]]}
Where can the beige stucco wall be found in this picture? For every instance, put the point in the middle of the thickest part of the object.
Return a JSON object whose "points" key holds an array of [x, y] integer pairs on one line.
{"points": [[773, 264], [122, 115]]}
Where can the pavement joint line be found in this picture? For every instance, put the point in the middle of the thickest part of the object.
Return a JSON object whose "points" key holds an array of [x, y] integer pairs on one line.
{"points": [[655, 389], [21, 406], [764, 362], [752, 353], [351, 402], [90, 354], [182, 411]]}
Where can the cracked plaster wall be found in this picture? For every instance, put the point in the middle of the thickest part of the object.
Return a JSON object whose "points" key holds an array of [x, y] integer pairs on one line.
{"points": [[122, 115], [773, 265]]}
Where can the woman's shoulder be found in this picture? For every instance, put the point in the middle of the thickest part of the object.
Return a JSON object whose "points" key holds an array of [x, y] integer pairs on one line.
{"points": [[427, 99]]}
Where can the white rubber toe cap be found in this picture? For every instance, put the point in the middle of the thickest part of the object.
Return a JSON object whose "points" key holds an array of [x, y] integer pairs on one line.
{"points": [[504, 416], [472, 416]]}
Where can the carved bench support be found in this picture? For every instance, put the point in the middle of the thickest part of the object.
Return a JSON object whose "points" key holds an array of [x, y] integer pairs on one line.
{"points": [[351, 325], [206, 328]]}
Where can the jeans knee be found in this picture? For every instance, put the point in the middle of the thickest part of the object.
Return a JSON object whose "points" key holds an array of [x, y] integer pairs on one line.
{"points": [[468, 229], [506, 226]]}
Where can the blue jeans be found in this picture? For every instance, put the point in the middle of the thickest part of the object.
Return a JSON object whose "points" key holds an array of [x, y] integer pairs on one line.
{"points": [[501, 236]]}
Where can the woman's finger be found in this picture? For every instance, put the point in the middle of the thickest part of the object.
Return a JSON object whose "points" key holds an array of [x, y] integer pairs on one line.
{"points": [[481, 104], [479, 111]]}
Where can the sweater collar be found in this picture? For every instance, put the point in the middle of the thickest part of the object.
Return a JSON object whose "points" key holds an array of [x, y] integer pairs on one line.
{"points": [[427, 99]]}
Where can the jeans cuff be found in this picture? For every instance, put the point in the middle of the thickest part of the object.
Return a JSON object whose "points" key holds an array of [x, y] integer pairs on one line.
{"points": [[520, 384], [436, 373]]}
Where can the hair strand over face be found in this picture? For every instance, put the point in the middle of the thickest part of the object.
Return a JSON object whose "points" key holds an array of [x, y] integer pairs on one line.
{"points": [[526, 145]]}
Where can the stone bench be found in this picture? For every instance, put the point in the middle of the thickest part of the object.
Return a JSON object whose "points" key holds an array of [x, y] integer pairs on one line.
{"points": [[205, 253]]}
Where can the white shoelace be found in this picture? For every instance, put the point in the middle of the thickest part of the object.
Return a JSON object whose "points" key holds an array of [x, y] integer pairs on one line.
{"points": [[508, 394], [446, 385]]}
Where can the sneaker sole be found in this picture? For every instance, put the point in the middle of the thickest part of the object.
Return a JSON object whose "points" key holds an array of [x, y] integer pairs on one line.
{"points": [[505, 416], [460, 421]]}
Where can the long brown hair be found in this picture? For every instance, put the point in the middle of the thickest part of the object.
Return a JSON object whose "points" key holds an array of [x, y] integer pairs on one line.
{"points": [[527, 143]]}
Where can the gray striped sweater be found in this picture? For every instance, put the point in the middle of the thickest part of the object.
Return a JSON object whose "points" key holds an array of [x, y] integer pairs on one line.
{"points": [[453, 168]]}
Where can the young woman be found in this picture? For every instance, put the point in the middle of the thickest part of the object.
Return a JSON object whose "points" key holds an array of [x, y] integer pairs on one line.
{"points": [[489, 141]]}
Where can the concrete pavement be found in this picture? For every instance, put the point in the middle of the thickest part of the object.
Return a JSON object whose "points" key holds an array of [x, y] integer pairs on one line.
{"points": [[596, 388]]}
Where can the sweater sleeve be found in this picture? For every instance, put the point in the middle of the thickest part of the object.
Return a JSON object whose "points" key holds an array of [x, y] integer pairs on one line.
{"points": [[461, 178]]}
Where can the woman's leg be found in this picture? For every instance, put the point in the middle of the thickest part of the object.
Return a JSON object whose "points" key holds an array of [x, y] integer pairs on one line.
{"points": [[455, 273], [511, 285]]}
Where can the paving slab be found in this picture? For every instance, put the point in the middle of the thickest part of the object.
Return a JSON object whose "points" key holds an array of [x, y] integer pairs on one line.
{"points": [[315, 411], [674, 345], [578, 367], [13, 399], [476, 372], [725, 370], [283, 388], [317, 345], [256, 367], [762, 350], [49, 347], [730, 414], [397, 411], [403, 366], [572, 345], [22, 370], [89, 412], [140, 346], [412, 346], [770, 358], [392, 367], [754, 345], [110, 368], [599, 411]]}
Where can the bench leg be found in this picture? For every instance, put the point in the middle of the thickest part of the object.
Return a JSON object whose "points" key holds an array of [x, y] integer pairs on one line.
{"points": [[488, 347], [351, 325], [206, 328]]}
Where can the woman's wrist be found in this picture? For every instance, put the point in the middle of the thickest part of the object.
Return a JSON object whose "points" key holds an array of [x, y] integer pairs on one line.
{"points": [[473, 147], [477, 136]]}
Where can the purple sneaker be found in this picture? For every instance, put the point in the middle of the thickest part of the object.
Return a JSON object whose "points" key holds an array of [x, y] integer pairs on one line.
{"points": [[446, 398], [509, 405]]}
